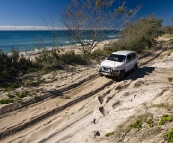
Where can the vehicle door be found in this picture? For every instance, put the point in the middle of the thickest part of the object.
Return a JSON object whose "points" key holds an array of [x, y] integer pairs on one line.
{"points": [[133, 60], [128, 63]]}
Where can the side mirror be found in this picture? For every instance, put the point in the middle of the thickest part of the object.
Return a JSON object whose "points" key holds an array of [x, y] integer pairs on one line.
{"points": [[127, 60]]}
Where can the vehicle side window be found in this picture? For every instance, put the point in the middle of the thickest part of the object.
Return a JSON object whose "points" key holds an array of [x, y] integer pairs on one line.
{"points": [[135, 55], [128, 57], [132, 56]]}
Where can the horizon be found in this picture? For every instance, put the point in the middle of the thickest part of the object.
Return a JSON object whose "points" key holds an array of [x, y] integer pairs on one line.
{"points": [[46, 28], [28, 27]]}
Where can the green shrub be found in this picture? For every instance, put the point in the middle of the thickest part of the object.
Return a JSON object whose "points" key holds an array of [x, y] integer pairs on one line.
{"points": [[6, 101], [11, 66], [37, 98], [71, 58], [169, 136], [170, 79], [10, 96], [105, 52], [140, 35], [12, 86], [138, 45], [21, 94], [51, 60]]}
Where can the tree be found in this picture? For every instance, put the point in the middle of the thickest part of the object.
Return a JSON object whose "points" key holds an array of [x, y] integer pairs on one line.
{"points": [[88, 20], [144, 30]]}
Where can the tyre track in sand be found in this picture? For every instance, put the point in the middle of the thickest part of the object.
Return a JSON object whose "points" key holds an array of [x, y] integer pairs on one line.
{"points": [[16, 121]]}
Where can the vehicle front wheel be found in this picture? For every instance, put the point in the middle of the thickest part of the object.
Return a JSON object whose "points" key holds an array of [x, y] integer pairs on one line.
{"points": [[100, 74], [121, 76]]}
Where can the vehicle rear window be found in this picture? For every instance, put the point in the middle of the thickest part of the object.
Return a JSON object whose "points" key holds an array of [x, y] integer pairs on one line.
{"points": [[117, 58]]}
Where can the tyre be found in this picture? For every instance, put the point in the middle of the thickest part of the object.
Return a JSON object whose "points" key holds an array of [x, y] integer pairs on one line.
{"points": [[100, 74], [135, 67], [121, 76]]}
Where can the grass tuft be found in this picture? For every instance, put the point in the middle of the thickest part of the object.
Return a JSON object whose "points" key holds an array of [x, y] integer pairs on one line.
{"points": [[109, 134], [149, 121], [162, 105], [32, 83], [137, 124], [169, 136], [164, 119]]}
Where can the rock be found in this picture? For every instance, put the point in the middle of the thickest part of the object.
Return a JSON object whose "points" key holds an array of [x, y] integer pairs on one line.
{"points": [[100, 99], [101, 109], [95, 121], [97, 133]]}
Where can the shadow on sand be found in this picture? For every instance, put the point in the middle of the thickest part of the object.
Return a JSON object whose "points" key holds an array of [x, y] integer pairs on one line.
{"points": [[139, 73]]}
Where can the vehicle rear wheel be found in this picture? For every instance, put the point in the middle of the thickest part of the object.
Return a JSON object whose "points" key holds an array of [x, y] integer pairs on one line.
{"points": [[135, 67], [121, 76]]}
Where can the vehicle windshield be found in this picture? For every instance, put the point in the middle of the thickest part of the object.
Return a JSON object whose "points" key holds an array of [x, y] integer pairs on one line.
{"points": [[117, 58]]}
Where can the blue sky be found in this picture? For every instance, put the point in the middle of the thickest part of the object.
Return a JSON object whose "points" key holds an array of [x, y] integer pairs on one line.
{"points": [[26, 12]]}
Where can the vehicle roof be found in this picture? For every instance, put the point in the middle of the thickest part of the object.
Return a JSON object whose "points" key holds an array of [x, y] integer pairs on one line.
{"points": [[124, 52]]}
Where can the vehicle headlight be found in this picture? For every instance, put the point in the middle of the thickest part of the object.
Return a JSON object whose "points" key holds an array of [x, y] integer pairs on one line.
{"points": [[99, 67]]}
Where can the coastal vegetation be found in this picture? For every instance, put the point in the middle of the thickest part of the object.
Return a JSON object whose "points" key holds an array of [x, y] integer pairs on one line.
{"points": [[12, 66], [18, 73], [50, 60], [140, 35]]}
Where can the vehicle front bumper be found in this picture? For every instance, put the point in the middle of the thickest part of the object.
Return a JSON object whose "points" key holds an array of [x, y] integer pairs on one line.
{"points": [[112, 73]]}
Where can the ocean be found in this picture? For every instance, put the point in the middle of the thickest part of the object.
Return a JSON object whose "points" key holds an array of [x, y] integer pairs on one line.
{"points": [[31, 40]]}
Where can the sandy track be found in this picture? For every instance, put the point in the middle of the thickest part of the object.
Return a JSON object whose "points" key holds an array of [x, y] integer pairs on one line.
{"points": [[15, 121], [80, 109]]}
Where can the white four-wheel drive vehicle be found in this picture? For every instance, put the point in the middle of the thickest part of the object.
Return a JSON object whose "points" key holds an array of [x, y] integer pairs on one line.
{"points": [[118, 63]]}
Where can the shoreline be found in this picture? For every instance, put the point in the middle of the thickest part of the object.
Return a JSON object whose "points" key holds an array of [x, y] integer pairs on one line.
{"points": [[66, 48]]}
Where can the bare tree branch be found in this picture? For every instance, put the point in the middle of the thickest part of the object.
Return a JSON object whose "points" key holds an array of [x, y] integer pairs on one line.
{"points": [[88, 21]]}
